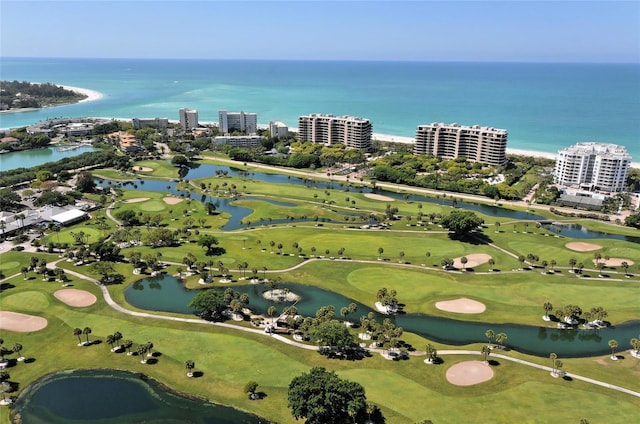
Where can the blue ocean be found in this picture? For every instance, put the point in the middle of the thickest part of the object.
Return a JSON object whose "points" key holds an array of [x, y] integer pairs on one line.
{"points": [[544, 106]]}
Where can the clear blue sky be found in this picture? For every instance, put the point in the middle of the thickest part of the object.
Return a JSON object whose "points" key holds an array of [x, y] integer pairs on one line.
{"points": [[538, 31]]}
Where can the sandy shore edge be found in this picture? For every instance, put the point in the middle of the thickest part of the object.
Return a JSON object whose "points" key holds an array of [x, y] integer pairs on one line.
{"points": [[92, 95]]}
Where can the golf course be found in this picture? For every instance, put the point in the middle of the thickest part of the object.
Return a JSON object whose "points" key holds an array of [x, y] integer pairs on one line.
{"points": [[523, 274]]}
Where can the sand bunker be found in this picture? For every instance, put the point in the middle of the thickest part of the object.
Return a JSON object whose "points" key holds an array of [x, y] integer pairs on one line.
{"points": [[137, 200], [582, 247], [75, 297], [142, 168], [23, 323], [615, 261], [461, 306], [379, 197], [172, 200], [469, 373], [473, 259]]}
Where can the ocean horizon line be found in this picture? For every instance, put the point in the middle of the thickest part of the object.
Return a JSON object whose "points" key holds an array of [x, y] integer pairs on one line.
{"points": [[327, 60]]}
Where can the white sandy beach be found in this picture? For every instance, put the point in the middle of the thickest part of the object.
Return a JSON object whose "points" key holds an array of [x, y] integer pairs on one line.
{"points": [[91, 94]]}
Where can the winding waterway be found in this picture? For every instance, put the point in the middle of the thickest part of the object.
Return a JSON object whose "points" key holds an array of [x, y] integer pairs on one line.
{"points": [[167, 294]]}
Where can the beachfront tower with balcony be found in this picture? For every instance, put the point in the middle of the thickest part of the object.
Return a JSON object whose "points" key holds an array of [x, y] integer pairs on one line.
{"points": [[351, 131], [593, 166], [485, 145], [188, 119], [237, 122]]}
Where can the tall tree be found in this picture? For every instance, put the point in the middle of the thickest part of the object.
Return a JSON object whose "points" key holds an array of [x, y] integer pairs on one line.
{"points": [[321, 397]]}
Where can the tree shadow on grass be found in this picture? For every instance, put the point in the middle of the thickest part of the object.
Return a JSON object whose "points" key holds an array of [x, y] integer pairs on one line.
{"points": [[152, 361], [567, 378], [493, 363], [6, 286], [198, 374], [29, 360]]}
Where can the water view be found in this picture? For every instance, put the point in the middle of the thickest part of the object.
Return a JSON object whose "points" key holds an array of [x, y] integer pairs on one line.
{"points": [[36, 157], [110, 396], [167, 294]]}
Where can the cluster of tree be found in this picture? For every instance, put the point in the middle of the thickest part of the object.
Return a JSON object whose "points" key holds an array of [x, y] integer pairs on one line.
{"points": [[633, 220], [321, 397], [210, 304], [102, 158], [386, 335], [457, 175], [27, 140], [17, 94], [461, 223]]}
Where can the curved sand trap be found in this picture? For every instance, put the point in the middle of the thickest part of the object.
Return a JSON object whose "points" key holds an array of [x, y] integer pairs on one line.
{"points": [[469, 373], [615, 261], [22, 323], [582, 247], [473, 259], [137, 200], [172, 200], [461, 306], [142, 168], [379, 197], [75, 297]]}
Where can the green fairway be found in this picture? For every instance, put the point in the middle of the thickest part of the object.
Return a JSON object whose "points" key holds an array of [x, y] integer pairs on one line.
{"points": [[354, 261]]}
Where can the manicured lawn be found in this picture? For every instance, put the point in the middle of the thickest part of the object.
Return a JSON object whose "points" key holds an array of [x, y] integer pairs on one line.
{"points": [[407, 391]]}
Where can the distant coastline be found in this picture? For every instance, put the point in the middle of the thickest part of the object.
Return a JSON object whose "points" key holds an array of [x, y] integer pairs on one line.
{"points": [[93, 95]]}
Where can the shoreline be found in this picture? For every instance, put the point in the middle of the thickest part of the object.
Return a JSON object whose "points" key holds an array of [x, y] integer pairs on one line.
{"points": [[92, 96]]}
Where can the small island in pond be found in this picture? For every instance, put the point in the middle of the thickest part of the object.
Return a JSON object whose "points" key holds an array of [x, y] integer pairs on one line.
{"points": [[16, 95]]}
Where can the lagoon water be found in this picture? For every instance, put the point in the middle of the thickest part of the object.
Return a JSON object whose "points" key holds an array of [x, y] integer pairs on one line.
{"points": [[35, 157], [544, 106], [110, 396], [167, 294]]}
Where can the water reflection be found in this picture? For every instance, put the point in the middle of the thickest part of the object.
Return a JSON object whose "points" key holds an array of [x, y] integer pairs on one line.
{"points": [[534, 340]]}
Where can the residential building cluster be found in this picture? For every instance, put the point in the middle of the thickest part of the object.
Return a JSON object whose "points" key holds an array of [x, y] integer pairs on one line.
{"points": [[486, 145], [351, 131], [593, 166]]}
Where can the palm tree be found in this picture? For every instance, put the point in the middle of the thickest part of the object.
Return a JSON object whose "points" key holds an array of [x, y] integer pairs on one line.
{"points": [[86, 332], [380, 251], [117, 336], [77, 332], [190, 365], [486, 351], [557, 365], [625, 265], [553, 263], [490, 334], [613, 344], [111, 340], [500, 338], [271, 311], [548, 307], [635, 344], [127, 345], [149, 347], [432, 354], [142, 350], [17, 348], [492, 262], [25, 271], [580, 267], [553, 356], [572, 264], [521, 259]]}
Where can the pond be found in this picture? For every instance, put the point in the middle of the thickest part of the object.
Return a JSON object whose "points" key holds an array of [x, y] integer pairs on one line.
{"points": [[110, 396], [35, 157], [167, 294]]}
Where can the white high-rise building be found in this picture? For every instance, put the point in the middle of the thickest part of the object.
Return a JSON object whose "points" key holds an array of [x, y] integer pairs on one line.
{"points": [[450, 141], [278, 129], [351, 131], [188, 119], [245, 123], [593, 166]]}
